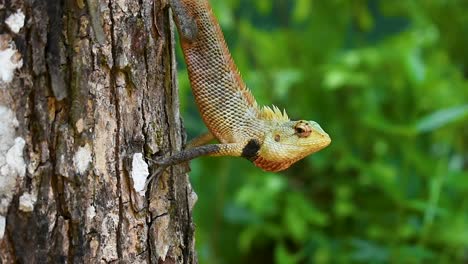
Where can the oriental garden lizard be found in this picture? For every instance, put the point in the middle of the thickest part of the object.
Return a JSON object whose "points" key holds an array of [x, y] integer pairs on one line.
{"points": [[263, 135]]}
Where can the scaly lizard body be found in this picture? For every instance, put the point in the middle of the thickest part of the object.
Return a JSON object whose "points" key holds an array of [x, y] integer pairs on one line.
{"points": [[261, 134]]}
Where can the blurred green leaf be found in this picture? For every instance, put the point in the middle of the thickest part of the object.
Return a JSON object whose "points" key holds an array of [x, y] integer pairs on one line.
{"points": [[301, 10], [299, 216], [263, 6], [283, 256], [284, 79], [414, 253], [416, 67], [367, 251], [442, 117], [364, 17]]}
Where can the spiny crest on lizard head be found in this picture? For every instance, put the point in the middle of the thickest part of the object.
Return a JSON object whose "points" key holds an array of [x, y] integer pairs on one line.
{"points": [[267, 113]]}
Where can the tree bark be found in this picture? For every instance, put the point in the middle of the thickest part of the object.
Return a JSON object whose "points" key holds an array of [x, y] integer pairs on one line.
{"points": [[92, 91]]}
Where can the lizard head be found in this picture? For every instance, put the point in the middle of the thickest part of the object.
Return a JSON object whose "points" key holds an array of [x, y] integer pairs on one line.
{"points": [[287, 141]]}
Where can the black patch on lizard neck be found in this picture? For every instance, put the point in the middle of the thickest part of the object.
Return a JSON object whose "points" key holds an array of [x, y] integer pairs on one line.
{"points": [[250, 151]]}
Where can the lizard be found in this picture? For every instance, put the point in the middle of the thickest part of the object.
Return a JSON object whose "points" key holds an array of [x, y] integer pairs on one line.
{"points": [[264, 135]]}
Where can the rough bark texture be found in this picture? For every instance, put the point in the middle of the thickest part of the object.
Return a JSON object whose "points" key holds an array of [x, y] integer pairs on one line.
{"points": [[93, 92]]}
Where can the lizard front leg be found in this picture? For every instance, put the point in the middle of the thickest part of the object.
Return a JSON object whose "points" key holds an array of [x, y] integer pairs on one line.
{"points": [[247, 150]]}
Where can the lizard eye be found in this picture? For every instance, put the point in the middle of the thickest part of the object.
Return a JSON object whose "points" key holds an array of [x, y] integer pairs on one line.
{"points": [[302, 129]]}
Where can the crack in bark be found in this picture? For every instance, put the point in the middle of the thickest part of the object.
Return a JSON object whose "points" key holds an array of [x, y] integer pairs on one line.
{"points": [[145, 58], [188, 234], [115, 97], [158, 216]]}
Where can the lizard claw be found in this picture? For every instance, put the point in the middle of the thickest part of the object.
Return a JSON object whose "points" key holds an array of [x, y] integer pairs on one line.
{"points": [[154, 176], [158, 171]]}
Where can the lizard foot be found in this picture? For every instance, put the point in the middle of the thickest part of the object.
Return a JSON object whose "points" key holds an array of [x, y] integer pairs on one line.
{"points": [[154, 176], [162, 165], [159, 162]]}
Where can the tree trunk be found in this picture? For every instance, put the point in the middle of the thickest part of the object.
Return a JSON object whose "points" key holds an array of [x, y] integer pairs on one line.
{"points": [[87, 91]]}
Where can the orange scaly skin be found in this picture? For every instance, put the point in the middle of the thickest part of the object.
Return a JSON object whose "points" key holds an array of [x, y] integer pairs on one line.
{"points": [[264, 135]]}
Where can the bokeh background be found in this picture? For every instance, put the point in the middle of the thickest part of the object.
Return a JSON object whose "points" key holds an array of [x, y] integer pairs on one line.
{"points": [[388, 80]]}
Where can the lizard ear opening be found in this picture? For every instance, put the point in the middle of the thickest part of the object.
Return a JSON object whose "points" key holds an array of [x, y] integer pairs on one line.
{"points": [[302, 129], [277, 138]]}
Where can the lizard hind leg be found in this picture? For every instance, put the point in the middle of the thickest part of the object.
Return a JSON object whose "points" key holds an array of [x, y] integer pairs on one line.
{"points": [[200, 140], [187, 25]]}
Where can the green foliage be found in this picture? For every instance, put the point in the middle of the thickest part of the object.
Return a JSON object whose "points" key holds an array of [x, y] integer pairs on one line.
{"points": [[388, 80]]}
